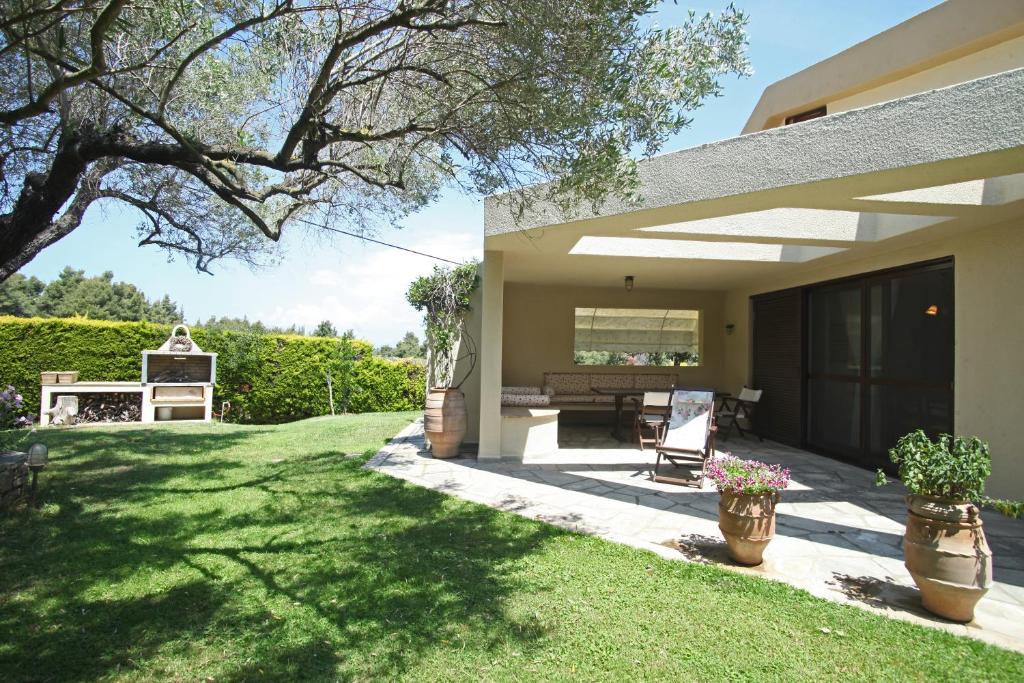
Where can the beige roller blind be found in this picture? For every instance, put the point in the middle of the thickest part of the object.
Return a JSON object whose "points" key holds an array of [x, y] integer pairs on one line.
{"points": [[637, 330]]}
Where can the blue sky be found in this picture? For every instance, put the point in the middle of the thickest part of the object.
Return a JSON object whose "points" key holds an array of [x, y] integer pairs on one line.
{"points": [[361, 286]]}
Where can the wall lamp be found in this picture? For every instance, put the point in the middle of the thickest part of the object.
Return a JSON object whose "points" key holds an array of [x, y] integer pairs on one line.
{"points": [[629, 283], [729, 328]]}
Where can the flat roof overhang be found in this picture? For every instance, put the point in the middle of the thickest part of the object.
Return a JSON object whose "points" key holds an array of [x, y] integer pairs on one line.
{"points": [[833, 188]]}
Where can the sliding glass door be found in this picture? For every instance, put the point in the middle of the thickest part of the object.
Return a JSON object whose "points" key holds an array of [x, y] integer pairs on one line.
{"points": [[879, 361]]}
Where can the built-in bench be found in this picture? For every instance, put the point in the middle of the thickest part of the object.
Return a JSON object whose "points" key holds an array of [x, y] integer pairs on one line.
{"points": [[575, 390], [528, 431]]}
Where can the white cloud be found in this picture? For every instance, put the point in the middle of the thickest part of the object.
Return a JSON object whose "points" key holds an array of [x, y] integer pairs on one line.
{"points": [[365, 290]]}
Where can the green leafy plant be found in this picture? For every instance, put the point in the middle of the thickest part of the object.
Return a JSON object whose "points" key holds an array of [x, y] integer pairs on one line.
{"points": [[951, 468], [445, 296], [1014, 509]]}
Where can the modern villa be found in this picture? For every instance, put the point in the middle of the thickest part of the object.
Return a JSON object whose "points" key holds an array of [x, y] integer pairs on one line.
{"points": [[856, 253]]}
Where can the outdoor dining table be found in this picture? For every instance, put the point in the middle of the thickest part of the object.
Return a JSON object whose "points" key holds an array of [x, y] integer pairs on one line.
{"points": [[620, 396]]}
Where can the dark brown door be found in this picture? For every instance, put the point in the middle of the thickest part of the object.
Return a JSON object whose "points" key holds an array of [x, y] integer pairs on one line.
{"points": [[777, 370], [879, 361]]}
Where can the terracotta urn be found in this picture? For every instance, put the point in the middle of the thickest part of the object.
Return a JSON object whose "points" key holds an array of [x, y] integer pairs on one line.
{"points": [[946, 552], [444, 421], [748, 523]]}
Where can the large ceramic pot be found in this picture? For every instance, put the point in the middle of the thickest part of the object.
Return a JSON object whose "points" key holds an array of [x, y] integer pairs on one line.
{"points": [[445, 421], [947, 554], [748, 523]]}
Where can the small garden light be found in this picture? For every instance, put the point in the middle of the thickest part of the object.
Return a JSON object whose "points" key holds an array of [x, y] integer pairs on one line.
{"points": [[38, 456]]}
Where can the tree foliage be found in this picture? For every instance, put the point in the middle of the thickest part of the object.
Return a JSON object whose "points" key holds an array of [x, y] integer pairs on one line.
{"points": [[224, 123], [445, 297], [226, 323], [640, 358], [325, 329], [409, 346], [74, 294]]}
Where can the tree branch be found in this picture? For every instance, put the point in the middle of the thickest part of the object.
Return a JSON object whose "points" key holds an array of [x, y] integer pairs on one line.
{"points": [[63, 82]]}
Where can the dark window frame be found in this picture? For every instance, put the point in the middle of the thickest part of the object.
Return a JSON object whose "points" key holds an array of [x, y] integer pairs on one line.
{"points": [[815, 113], [864, 380], [863, 279]]}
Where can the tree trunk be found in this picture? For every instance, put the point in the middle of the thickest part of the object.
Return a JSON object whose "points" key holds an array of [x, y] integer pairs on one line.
{"points": [[31, 225], [330, 391]]}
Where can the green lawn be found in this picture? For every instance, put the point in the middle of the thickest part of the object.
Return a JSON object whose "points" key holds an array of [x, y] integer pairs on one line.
{"points": [[217, 552]]}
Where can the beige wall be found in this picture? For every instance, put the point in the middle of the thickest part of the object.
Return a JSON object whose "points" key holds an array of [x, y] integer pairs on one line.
{"points": [[538, 329], [989, 371], [954, 41], [996, 59]]}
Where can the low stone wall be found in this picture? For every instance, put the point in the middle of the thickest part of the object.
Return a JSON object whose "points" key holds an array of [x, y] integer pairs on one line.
{"points": [[14, 482]]}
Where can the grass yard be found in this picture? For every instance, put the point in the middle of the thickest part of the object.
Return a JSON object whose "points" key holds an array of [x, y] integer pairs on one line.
{"points": [[218, 552]]}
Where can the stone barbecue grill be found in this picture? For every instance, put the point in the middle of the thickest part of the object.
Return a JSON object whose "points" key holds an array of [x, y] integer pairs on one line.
{"points": [[178, 379]]}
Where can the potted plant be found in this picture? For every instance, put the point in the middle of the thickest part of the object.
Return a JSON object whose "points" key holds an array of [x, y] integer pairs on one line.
{"points": [[444, 297], [749, 491], [944, 546]]}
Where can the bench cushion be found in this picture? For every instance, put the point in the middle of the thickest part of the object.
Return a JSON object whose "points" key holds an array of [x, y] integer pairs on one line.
{"points": [[567, 383], [573, 398], [612, 381], [522, 391], [655, 382], [526, 400]]}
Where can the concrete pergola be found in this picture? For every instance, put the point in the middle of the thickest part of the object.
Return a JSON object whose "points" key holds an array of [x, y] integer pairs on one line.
{"points": [[780, 206]]}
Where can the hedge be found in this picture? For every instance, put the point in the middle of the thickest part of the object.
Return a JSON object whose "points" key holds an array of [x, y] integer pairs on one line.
{"points": [[267, 378]]}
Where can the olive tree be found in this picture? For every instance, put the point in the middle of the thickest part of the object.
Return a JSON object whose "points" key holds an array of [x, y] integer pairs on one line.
{"points": [[445, 298], [224, 123]]}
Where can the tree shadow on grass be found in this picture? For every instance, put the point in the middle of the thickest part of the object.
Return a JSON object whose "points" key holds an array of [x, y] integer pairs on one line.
{"points": [[311, 568], [85, 639]]}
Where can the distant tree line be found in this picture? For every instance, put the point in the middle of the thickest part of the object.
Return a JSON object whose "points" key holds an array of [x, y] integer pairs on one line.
{"points": [[100, 298], [74, 294], [230, 324], [408, 346], [684, 358]]}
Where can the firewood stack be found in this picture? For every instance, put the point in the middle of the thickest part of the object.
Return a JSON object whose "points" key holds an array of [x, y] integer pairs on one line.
{"points": [[110, 408], [171, 377]]}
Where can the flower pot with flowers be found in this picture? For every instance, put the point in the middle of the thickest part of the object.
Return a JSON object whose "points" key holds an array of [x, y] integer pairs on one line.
{"points": [[746, 511]]}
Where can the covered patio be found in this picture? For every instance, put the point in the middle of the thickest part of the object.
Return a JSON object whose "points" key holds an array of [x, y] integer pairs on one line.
{"points": [[838, 536], [858, 233]]}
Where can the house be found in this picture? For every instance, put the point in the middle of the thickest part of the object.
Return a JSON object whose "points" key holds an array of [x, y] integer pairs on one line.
{"points": [[857, 253]]}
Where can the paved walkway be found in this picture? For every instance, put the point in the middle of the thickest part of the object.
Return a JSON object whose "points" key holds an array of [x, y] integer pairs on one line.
{"points": [[838, 536]]}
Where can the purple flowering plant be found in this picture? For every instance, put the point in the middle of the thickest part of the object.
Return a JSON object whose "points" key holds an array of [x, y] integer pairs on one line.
{"points": [[747, 476], [11, 405]]}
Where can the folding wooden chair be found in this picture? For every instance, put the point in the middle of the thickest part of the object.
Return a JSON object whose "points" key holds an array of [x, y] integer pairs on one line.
{"points": [[734, 412], [650, 416], [689, 437]]}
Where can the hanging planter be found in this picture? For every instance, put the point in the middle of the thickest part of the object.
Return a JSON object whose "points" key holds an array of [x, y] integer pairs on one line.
{"points": [[749, 492], [445, 298]]}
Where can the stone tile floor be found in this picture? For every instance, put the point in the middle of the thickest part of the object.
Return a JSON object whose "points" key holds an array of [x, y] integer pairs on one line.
{"points": [[838, 536]]}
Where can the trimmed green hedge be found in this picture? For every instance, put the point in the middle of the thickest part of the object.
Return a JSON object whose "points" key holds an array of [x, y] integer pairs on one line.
{"points": [[267, 378]]}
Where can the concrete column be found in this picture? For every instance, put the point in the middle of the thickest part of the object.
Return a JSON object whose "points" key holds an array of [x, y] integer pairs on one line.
{"points": [[493, 286]]}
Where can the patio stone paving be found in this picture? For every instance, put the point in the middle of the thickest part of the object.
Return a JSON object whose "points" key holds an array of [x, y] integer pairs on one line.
{"points": [[837, 535]]}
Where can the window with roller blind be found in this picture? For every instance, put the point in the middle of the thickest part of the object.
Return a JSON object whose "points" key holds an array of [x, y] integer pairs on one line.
{"points": [[636, 336]]}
